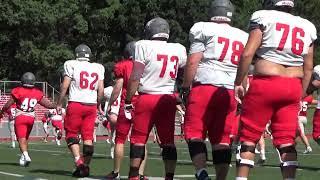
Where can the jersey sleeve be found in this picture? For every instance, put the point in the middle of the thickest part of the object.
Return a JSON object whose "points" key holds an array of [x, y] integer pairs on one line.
{"points": [[39, 95], [313, 30], [139, 55], [183, 58], [118, 70], [196, 38], [68, 69], [257, 21], [15, 93], [101, 72]]}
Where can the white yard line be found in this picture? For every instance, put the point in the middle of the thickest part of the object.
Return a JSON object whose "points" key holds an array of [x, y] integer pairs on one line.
{"points": [[11, 174]]}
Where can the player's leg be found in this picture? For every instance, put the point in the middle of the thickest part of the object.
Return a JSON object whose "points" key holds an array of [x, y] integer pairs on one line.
{"points": [[142, 124], [122, 129], [284, 126], [256, 112], [262, 149], [195, 128], [12, 134], [302, 121], [316, 126], [46, 131], [72, 126], [23, 127], [57, 125], [164, 117]]}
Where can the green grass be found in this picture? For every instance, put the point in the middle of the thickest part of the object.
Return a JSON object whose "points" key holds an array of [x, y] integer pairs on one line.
{"points": [[52, 162]]}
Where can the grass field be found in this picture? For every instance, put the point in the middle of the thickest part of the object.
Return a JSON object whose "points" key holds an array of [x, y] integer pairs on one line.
{"points": [[52, 162]]}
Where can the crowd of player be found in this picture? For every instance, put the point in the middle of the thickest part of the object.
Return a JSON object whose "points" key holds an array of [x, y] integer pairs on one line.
{"points": [[234, 85]]}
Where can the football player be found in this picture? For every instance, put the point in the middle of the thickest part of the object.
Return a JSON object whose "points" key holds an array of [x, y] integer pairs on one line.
{"points": [[84, 79], [11, 116], [56, 120], [122, 71], [155, 68], [283, 46], [215, 51], [302, 120], [26, 97], [45, 124]]}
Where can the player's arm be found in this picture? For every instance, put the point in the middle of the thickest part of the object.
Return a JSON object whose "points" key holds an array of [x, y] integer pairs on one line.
{"points": [[63, 89], [307, 70], [116, 91], [46, 103], [133, 84], [7, 106], [191, 68], [100, 95]]}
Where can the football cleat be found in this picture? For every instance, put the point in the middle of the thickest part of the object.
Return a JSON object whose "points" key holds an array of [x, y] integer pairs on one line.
{"points": [[308, 150], [24, 161], [113, 176], [203, 176], [143, 177], [81, 171]]}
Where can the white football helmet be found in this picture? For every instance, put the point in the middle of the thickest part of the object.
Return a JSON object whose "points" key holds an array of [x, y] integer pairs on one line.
{"points": [[316, 72]]}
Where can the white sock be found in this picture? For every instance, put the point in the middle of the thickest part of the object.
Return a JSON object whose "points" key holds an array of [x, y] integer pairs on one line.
{"points": [[25, 154], [76, 158], [241, 178], [200, 170]]}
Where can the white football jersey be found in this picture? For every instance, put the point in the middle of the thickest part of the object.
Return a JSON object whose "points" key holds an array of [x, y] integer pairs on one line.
{"points": [[55, 116], [222, 46], [286, 38], [116, 105], [85, 77], [161, 60]]}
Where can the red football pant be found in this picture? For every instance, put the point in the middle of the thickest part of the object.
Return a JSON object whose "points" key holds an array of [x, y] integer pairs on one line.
{"points": [[210, 109], [23, 126], [316, 124], [57, 124], [275, 98], [122, 127], [154, 109], [80, 118]]}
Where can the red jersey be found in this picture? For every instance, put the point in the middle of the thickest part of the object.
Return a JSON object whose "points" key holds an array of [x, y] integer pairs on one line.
{"points": [[304, 105], [123, 70], [11, 111], [26, 99]]}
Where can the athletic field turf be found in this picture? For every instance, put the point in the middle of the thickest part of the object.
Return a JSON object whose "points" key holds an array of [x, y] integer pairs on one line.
{"points": [[52, 162]]}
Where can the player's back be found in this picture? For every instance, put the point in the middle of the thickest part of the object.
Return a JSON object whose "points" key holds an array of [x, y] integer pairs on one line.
{"points": [[26, 99], [123, 70], [161, 60], [84, 80], [286, 38], [222, 46]]}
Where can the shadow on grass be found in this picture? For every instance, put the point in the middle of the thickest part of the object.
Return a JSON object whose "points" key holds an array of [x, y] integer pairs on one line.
{"points": [[8, 164], [55, 172], [308, 168]]}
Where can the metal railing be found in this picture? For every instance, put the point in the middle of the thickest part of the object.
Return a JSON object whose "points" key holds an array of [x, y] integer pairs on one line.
{"points": [[48, 90]]}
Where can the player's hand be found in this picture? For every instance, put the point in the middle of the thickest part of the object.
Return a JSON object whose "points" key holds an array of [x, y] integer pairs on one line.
{"points": [[59, 109], [239, 93], [128, 108], [184, 94]]}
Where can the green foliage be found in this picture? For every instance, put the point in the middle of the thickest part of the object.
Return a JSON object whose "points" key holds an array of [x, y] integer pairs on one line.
{"points": [[39, 36]]}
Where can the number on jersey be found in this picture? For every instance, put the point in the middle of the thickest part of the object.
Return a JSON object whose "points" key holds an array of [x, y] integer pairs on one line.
{"points": [[237, 48], [84, 80], [28, 105], [297, 44], [164, 59]]}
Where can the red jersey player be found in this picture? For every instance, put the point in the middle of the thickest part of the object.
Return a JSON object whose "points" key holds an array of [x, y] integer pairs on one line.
{"points": [[283, 45], [156, 63], [11, 112], [26, 98], [122, 71], [85, 83], [211, 68]]}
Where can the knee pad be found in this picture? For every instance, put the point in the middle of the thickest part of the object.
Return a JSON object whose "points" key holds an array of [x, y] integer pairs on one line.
{"points": [[246, 162], [72, 140], [88, 150], [221, 156], [137, 151], [169, 153], [196, 147], [288, 149]]}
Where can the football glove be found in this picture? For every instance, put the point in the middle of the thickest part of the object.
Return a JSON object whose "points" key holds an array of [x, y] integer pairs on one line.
{"points": [[128, 108], [184, 93]]}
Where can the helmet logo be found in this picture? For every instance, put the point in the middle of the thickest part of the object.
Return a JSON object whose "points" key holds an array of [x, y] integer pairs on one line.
{"points": [[285, 3]]}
